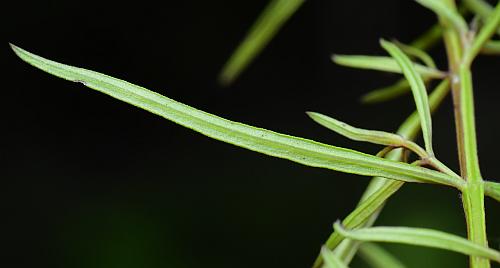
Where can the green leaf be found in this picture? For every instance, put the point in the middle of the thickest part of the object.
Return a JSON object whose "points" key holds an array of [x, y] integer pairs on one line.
{"points": [[450, 16], [358, 134], [267, 25], [429, 38], [395, 90], [492, 189], [377, 257], [385, 64], [331, 260], [419, 237], [299, 150], [418, 89]]}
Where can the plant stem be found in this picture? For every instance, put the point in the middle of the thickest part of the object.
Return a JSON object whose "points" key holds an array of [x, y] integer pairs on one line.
{"points": [[463, 101], [473, 193]]}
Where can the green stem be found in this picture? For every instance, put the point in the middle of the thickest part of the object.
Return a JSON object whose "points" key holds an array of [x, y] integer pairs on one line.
{"points": [[473, 193], [473, 202], [463, 101]]}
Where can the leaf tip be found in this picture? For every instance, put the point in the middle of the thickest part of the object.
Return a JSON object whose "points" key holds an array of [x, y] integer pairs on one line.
{"points": [[366, 99], [384, 43], [224, 79], [311, 114], [15, 48], [335, 57]]}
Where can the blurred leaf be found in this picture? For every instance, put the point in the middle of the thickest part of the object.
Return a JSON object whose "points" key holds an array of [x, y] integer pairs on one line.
{"points": [[331, 260], [491, 47], [492, 189], [385, 64], [451, 17], [429, 38], [419, 237], [419, 92], [397, 89], [264, 29], [358, 134], [299, 150], [377, 257]]}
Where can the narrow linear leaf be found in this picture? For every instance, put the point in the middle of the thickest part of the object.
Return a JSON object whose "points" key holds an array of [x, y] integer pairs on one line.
{"points": [[429, 38], [451, 17], [419, 237], [331, 260], [385, 64], [393, 91], [492, 189], [267, 25], [358, 134], [299, 150], [377, 257], [418, 89]]}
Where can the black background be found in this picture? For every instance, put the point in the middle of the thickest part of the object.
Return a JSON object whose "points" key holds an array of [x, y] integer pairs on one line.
{"points": [[93, 182]]}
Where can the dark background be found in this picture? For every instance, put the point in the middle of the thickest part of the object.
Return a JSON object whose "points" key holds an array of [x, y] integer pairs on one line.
{"points": [[93, 182]]}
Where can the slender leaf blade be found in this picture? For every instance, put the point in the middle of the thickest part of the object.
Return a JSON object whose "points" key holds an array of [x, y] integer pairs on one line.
{"points": [[380, 63], [401, 87], [373, 136], [299, 150], [418, 89], [419, 237], [377, 257], [331, 260], [264, 29], [357, 134]]}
